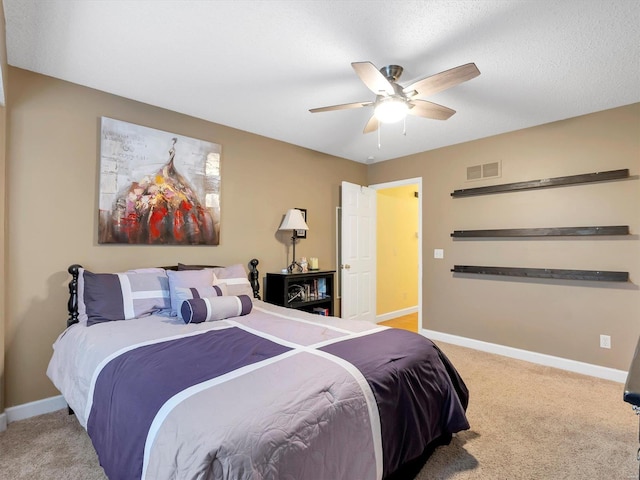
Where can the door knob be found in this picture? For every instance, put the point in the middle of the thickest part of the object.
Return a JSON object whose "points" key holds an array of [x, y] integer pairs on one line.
{"points": [[346, 267]]}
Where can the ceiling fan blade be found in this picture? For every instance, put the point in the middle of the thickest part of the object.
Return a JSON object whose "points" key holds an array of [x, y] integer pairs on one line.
{"points": [[443, 80], [422, 108], [372, 78], [372, 125], [344, 106]]}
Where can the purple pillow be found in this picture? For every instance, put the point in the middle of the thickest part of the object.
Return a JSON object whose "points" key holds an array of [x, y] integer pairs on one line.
{"points": [[122, 296]]}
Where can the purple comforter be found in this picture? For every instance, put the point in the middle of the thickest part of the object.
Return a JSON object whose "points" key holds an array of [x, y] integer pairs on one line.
{"points": [[242, 402]]}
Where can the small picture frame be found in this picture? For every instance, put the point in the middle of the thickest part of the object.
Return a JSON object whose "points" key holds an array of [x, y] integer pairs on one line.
{"points": [[302, 233]]}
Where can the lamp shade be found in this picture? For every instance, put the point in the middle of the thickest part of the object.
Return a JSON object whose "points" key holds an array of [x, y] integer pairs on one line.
{"points": [[293, 220]]}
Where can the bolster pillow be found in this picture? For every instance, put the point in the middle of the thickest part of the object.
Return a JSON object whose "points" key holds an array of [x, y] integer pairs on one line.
{"points": [[208, 309]]}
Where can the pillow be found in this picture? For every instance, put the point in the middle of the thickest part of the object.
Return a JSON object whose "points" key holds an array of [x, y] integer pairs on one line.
{"points": [[147, 270], [183, 294], [82, 308], [182, 266], [208, 309], [236, 279], [187, 279], [122, 296]]}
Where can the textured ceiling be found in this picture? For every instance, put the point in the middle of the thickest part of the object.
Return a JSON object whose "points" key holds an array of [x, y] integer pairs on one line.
{"points": [[259, 66]]}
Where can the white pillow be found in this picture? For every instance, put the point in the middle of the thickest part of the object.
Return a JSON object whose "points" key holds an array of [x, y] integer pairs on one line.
{"points": [[235, 276]]}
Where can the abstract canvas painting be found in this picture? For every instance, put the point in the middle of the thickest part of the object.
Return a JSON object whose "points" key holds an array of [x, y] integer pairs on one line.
{"points": [[156, 187]]}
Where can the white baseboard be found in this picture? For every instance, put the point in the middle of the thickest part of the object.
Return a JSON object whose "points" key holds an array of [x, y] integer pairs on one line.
{"points": [[395, 314], [533, 357], [31, 409], [3, 422]]}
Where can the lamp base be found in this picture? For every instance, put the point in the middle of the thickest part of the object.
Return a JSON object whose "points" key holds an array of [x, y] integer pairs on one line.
{"points": [[295, 267]]}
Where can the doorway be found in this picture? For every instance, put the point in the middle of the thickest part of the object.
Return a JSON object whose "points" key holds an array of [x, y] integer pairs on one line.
{"points": [[347, 235], [399, 254]]}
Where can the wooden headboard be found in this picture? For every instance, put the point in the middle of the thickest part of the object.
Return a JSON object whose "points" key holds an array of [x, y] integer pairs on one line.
{"points": [[74, 270]]}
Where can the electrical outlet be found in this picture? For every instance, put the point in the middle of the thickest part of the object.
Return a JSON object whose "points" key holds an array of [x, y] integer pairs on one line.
{"points": [[605, 341], [438, 253]]}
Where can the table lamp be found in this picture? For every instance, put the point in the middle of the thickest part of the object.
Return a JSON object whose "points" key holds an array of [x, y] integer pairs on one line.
{"points": [[294, 221]]}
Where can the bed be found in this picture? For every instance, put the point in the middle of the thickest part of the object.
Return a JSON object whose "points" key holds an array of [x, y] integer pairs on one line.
{"points": [[179, 374]]}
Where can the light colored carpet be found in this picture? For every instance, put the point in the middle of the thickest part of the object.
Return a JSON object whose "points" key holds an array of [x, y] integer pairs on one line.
{"points": [[534, 422], [527, 422]]}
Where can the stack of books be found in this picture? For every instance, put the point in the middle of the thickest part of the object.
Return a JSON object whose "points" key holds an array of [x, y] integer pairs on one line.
{"points": [[315, 290]]}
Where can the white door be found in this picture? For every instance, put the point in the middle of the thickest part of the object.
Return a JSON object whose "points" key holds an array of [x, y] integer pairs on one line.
{"points": [[358, 252]]}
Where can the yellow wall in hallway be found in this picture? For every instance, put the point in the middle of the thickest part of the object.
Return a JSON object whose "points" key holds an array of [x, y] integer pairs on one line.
{"points": [[397, 249]]}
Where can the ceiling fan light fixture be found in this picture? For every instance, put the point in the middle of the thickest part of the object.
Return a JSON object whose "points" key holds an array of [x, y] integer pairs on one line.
{"points": [[391, 110], [394, 102]]}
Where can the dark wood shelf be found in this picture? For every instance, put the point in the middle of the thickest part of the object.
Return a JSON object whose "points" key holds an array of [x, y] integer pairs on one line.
{"points": [[302, 291], [544, 232], [591, 275], [543, 183], [321, 301]]}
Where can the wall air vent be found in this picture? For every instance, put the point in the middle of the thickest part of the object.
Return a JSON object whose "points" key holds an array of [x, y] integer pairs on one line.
{"points": [[487, 170], [474, 173], [491, 170]]}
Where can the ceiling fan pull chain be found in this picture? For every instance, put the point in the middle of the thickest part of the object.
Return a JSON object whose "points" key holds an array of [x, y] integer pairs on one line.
{"points": [[404, 127], [378, 135]]}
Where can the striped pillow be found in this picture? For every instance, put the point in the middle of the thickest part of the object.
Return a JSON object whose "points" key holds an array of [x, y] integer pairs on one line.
{"points": [[123, 296], [208, 309], [182, 294]]}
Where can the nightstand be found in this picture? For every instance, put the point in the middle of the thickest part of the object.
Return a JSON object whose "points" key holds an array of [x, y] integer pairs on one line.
{"points": [[310, 291]]}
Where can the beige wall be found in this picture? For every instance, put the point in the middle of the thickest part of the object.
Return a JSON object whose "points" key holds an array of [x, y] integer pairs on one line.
{"points": [[3, 192], [53, 149], [559, 318]]}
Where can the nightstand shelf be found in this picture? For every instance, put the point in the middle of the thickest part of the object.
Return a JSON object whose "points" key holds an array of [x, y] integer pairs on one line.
{"points": [[309, 291]]}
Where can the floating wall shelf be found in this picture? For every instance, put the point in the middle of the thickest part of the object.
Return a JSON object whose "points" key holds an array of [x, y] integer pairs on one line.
{"points": [[543, 232], [544, 183], [595, 275]]}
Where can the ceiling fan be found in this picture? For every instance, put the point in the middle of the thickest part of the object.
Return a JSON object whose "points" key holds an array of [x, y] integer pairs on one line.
{"points": [[393, 102]]}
